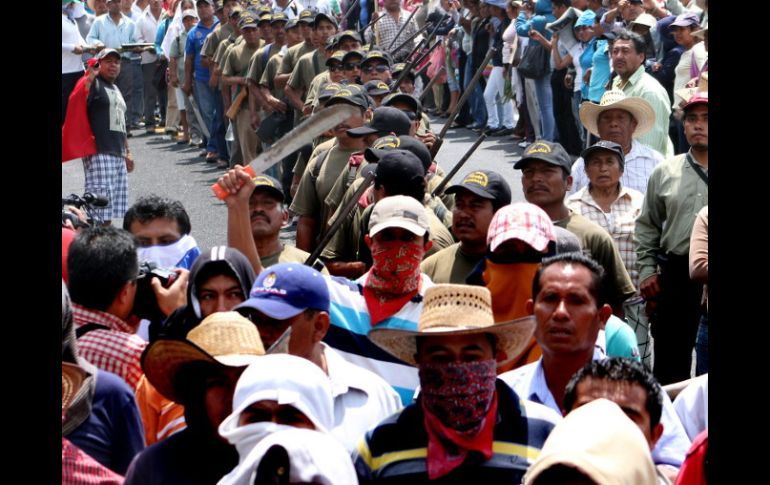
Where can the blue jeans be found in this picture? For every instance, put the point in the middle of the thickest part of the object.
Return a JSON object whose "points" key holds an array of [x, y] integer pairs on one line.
{"points": [[702, 347], [476, 101], [218, 128], [204, 97], [136, 105], [545, 99]]}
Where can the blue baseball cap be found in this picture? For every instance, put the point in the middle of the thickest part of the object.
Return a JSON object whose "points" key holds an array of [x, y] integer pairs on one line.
{"points": [[285, 290]]}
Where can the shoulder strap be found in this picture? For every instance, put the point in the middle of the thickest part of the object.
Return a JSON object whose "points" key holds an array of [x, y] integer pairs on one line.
{"points": [[316, 63], [80, 331], [321, 159], [697, 169], [266, 55]]}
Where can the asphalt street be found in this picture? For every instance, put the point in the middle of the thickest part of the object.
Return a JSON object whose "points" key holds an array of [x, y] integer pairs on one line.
{"points": [[177, 171]]}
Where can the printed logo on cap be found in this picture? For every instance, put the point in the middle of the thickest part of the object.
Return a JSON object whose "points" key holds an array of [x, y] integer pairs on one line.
{"points": [[478, 178], [262, 180], [387, 142], [407, 215], [538, 147], [382, 85], [269, 280]]}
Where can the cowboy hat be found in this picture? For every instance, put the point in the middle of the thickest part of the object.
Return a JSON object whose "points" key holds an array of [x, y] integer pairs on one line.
{"points": [[457, 310], [639, 108], [72, 378], [222, 339]]}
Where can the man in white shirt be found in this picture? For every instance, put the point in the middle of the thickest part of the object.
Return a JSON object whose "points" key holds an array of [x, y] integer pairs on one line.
{"points": [[296, 297], [147, 26], [72, 44]]}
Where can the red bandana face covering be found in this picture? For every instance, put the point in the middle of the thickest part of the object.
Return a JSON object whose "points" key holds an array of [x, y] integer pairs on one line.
{"points": [[394, 278], [460, 407]]}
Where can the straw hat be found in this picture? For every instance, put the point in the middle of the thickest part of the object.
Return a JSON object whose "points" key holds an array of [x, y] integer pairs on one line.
{"points": [[72, 378], [639, 108], [457, 310], [222, 339], [703, 87]]}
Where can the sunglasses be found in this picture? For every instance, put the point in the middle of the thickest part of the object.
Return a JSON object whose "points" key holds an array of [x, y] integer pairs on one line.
{"points": [[335, 68], [350, 66], [380, 68]]}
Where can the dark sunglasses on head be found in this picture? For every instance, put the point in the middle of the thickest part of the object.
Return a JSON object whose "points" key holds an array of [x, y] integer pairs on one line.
{"points": [[380, 68], [351, 65]]}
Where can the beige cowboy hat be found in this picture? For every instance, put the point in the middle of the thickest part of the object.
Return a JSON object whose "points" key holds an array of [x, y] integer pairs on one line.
{"points": [[72, 378], [223, 339], [639, 108], [457, 310]]}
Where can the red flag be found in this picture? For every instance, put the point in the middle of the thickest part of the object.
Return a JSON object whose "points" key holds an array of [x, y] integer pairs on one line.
{"points": [[77, 139]]}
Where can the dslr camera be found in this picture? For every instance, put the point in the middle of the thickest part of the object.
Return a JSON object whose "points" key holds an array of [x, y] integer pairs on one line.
{"points": [[145, 303]]}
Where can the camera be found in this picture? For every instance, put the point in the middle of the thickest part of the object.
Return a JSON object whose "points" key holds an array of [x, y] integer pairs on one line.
{"points": [[145, 303]]}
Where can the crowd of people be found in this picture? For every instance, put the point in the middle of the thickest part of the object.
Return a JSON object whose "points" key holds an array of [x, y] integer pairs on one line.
{"points": [[440, 331]]}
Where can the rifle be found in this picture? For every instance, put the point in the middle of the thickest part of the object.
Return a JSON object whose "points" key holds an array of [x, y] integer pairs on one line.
{"points": [[344, 212], [466, 94], [440, 188]]}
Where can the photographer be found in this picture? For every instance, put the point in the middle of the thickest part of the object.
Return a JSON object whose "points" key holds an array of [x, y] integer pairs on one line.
{"points": [[103, 269]]}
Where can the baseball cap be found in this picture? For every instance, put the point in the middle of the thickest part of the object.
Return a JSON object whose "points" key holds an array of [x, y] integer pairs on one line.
{"points": [[210, 2], [377, 55], [106, 52], [350, 34], [701, 97], [269, 184], [351, 94], [384, 121], [404, 142], [336, 57], [398, 210], [278, 17], [285, 290], [292, 23], [412, 101], [306, 16], [189, 13], [327, 91], [605, 145], [331, 42], [376, 88], [350, 54], [322, 16], [524, 221], [236, 10], [487, 184], [267, 17], [547, 152], [644, 19], [247, 22], [686, 19]]}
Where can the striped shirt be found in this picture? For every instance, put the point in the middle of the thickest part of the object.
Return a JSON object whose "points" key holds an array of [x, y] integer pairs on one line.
{"points": [[639, 164], [116, 349], [620, 222], [396, 450], [645, 86], [350, 325]]}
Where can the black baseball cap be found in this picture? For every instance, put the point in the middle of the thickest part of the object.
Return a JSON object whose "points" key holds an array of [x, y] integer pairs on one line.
{"points": [[351, 94], [307, 16], [350, 54], [292, 23], [322, 16], [384, 121], [278, 17], [398, 167], [351, 34], [605, 145], [404, 142], [331, 42], [336, 57], [326, 91], [398, 68], [547, 152], [373, 55], [411, 100], [377, 88], [487, 184], [269, 184]]}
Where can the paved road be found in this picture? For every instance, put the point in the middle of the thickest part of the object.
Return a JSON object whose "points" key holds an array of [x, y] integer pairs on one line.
{"points": [[163, 167]]}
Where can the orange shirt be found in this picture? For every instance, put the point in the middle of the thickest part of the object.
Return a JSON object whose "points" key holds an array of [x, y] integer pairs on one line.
{"points": [[161, 417]]}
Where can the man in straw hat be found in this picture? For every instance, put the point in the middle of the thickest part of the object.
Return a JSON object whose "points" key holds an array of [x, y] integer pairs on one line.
{"points": [[622, 120], [199, 372], [678, 189], [568, 304], [627, 56], [465, 425]]}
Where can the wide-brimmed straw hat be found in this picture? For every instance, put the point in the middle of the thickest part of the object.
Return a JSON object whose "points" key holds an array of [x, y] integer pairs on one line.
{"points": [[72, 378], [639, 108], [457, 310], [222, 338]]}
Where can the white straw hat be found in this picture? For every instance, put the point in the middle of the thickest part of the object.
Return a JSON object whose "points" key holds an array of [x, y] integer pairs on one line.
{"points": [[639, 108]]}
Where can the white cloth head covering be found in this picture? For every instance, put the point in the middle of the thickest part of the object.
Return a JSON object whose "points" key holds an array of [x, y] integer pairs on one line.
{"points": [[288, 380], [313, 458], [602, 442]]}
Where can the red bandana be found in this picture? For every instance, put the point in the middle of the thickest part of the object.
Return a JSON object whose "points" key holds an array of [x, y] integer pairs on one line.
{"points": [[394, 278]]}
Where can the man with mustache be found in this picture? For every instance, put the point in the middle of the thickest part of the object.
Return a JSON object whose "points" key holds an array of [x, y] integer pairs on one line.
{"points": [[321, 172], [477, 198]]}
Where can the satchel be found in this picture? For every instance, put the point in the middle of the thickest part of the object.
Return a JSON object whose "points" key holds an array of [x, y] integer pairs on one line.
{"points": [[535, 62]]}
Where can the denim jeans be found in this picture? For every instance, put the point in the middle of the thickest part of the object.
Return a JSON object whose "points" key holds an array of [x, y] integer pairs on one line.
{"points": [[136, 104], [218, 128], [545, 100], [702, 347], [476, 101]]}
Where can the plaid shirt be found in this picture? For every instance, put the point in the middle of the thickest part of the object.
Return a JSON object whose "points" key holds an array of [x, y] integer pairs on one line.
{"points": [[117, 350], [619, 222], [77, 468], [387, 28]]}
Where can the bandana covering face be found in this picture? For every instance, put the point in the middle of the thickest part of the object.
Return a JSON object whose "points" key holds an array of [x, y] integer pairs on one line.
{"points": [[395, 272], [181, 254], [460, 407]]}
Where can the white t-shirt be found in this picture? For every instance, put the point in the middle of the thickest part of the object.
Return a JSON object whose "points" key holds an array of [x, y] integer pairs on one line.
{"points": [[682, 71], [70, 37]]}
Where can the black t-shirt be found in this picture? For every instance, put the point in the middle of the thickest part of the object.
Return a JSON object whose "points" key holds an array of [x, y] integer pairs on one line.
{"points": [[107, 115]]}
